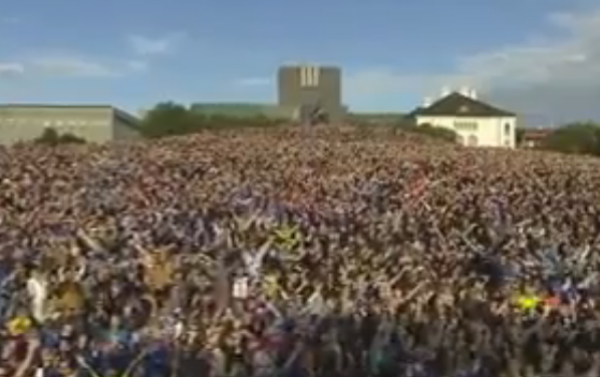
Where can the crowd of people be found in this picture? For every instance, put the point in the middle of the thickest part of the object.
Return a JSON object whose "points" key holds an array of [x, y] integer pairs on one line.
{"points": [[298, 253]]}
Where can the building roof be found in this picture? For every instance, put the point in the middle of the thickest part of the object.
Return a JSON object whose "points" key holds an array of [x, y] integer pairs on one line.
{"points": [[127, 119], [123, 116], [300, 65], [57, 106], [536, 133], [459, 105]]}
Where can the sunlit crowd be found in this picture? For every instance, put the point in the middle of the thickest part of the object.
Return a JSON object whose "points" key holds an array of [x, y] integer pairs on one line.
{"points": [[298, 253]]}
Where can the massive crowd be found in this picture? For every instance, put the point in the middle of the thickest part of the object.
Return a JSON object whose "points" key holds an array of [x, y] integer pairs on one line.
{"points": [[298, 253]]}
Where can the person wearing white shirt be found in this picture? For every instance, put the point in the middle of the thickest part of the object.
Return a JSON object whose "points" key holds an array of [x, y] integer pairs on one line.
{"points": [[37, 287]]}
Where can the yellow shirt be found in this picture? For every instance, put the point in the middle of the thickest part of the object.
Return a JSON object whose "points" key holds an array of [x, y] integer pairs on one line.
{"points": [[270, 285], [287, 237], [19, 325], [528, 301]]}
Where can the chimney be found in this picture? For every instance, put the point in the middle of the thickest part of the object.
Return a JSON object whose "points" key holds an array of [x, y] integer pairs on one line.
{"points": [[427, 102], [465, 91], [473, 94], [445, 92]]}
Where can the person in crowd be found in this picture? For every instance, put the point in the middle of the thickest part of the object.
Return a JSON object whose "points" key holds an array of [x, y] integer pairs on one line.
{"points": [[269, 253]]}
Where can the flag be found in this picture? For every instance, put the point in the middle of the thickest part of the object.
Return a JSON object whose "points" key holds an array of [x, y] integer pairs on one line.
{"points": [[38, 293], [287, 237], [240, 288]]}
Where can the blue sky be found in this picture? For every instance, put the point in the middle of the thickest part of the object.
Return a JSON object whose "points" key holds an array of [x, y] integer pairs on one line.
{"points": [[539, 58]]}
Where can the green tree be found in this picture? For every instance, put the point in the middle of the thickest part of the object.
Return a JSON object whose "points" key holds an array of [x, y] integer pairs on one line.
{"points": [[49, 137], [69, 138], [168, 119], [519, 135], [579, 138], [52, 137]]}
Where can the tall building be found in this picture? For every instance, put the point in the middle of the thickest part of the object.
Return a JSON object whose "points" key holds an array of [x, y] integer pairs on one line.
{"points": [[97, 124], [311, 90]]}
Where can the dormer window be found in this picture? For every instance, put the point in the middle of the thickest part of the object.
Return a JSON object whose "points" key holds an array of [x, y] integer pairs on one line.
{"points": [[463, 109]]}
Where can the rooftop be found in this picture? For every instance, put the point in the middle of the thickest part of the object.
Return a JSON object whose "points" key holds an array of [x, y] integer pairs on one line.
{"points": [[458, 105], [122, 115], [57, 105]]}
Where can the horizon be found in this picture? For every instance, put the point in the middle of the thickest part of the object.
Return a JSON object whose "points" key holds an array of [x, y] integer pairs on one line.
{"points": [[536, 59]]}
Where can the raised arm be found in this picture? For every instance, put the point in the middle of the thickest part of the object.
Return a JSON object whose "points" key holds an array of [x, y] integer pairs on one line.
{"points": [[88, 241], [135, 362], [33, 346], [82, 363]]}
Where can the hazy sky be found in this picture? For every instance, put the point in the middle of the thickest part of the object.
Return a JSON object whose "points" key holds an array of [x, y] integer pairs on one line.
{"points": [[540, 58]]}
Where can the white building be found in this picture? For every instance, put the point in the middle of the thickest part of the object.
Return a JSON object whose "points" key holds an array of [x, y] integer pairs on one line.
{"points": [[475, 122]]}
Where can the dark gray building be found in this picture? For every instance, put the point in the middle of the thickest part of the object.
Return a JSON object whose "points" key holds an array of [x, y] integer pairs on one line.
{"points": [[311, 90]]}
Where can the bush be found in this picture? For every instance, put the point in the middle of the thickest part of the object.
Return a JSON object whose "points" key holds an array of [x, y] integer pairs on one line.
{"points": [[51, 137], [519, 135], [429, 130], [171, 119], [578, 138], [69, 138]]}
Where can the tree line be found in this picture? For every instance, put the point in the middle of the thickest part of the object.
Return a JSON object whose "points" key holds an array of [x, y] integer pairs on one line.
{"points": [[573, 138], [171, 119]]}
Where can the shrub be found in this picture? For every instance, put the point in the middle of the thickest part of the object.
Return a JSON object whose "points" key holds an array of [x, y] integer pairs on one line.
{"points": [[51, 137]]}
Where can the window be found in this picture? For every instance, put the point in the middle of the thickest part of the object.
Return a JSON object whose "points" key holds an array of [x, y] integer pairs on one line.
{"points": [[507, 128], [309, 76], [463, 109], [465, 126]]}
